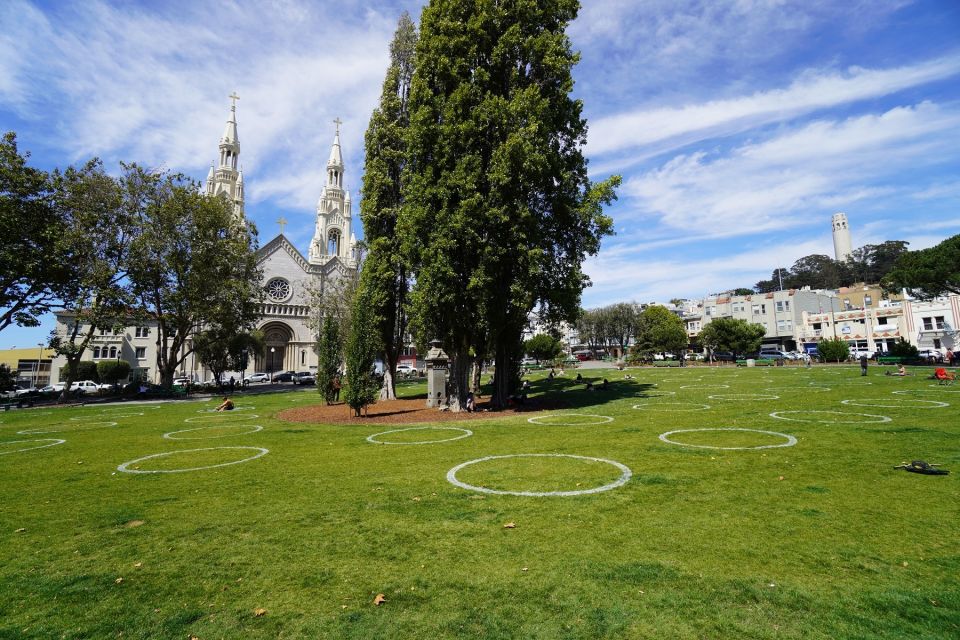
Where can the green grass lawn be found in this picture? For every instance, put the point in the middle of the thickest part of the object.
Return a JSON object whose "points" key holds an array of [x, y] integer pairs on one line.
{"points": [[822, 539]]}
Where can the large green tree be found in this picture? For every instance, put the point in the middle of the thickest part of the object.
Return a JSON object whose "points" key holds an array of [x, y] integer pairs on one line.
{"points": [[224, 348], [927, 273], [499, 213], [732, 334], [31, 269], [660, 330], [543, 347], [833, 350], [329, 358], [192, 264], [94, 241], [385, 279]]}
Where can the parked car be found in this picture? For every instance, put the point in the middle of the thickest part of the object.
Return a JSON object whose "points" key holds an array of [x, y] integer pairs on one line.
{"points": [[406, 371], [85, 386], [931, 355], [257, 377], [856, 353], [181, 381], [284, 376], [304, 377], [723, 356]]}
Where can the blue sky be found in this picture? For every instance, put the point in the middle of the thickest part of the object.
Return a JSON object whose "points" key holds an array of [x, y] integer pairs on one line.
{"points": [[739, 126]]}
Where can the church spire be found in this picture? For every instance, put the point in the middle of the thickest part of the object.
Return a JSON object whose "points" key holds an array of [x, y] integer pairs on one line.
{"points": [[227, 178], [332, 237]]}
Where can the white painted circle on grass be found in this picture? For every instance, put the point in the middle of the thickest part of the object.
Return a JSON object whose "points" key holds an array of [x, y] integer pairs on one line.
{"points": [[67, 428], [789, 443], [671, 406], [596, 419], [465, 433], [854, 383], [743, 396], [222, 416], [112, 416], [705, 386], [798, 389], [897, 403], [625, 475], [655, 393], [53, 442], [214, 410], [125, 467], [252, 428], [907, 392], [782, 415]]}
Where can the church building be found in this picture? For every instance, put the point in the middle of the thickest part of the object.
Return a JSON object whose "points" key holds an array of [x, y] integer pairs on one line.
{"points": [[291, 281]]}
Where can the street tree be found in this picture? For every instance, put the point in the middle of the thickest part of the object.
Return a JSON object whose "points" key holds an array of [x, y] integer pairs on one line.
{"points": [[31, 270], [94, 242], [192, 263], [927, 273], [732, 334], [498, 212], [226, 348], [622, 321], [543, 347], [659, 330], [386, 278]]}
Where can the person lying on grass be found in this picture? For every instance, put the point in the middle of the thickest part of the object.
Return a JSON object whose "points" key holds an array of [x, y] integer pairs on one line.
{"points": [[226, 405], [901, 371]]}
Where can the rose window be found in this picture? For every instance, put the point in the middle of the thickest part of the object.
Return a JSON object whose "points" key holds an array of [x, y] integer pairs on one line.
{"points": [[278, 289]]}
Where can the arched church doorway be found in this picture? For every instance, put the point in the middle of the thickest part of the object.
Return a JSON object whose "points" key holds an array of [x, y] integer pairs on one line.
{"points": [[276, 337]]}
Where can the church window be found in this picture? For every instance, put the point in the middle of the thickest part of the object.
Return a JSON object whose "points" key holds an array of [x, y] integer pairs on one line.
{"points": [[278, 289], [113, 352], [96, 353]]}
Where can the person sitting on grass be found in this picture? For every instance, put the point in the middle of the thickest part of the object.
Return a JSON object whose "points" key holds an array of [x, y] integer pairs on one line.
{"points": [[605, 384], [226, 405], [471, 403], [901, 371]]}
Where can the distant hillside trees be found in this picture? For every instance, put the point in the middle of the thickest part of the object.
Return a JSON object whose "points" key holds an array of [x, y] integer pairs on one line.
{"points": [[869, 263]]}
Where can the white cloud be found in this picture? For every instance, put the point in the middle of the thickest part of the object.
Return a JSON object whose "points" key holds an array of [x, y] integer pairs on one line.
{"points": [[812, 91], [776, 183]]}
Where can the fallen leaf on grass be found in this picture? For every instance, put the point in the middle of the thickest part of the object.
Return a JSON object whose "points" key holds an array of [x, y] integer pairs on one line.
{"points": [[259, 613], [780, 478], [193, 637], [416, 498], [380, 599], [510, 525], [118, 580], [20, 530], [137, 564], [524, 569], [133, 523]]}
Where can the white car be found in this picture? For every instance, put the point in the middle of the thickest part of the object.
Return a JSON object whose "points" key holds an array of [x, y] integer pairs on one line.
{"points": [[406, 371], [85, 386], [257, 377], [931, 355], [856, 353]]}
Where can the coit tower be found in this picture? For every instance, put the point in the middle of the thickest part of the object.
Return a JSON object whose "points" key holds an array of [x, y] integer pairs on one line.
{"points": [[841, 237]]}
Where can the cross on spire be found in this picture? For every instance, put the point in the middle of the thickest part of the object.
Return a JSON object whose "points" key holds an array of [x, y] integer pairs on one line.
{"points": [[337, 121], [282, 222], [233, 100]]}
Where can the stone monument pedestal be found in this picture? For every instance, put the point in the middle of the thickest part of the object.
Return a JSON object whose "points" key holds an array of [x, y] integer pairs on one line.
{"points": [[438, 365]]}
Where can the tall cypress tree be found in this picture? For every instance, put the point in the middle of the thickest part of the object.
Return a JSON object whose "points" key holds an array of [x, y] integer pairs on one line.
{"points": [[499, 212], [385, 279]]}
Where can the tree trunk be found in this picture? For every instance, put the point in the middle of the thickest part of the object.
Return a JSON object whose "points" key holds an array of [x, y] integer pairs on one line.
{"points": [[477, 372], [388, 390], [504, 380]]}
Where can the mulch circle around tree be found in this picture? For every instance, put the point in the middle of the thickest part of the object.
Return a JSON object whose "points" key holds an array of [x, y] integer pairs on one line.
{"points": [[407, 411]]}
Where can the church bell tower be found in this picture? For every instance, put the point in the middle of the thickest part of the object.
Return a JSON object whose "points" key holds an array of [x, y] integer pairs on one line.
{"points": [[332, 237], [227, 178]]}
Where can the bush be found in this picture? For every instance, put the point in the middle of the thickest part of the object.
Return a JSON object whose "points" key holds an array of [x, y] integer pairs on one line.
{"points": [[111, 371], [86, 370], [903, 349], [833, 350]]}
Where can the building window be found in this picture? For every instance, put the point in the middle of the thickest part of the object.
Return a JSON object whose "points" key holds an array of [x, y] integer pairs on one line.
{"points": [[278, 289], [96, 353], [104, 332], [928, 324], [113, 352], [784, 325], [141, 332], [141, 353], [783, 305], [738, 307], [936, 343], [939, 322], [882, 320], [867, 300]]}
